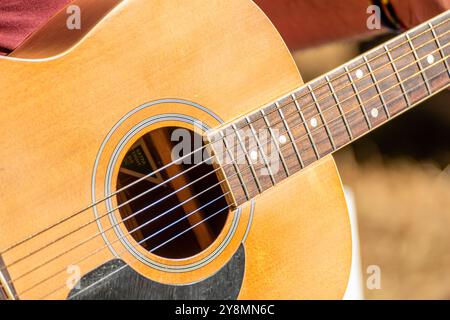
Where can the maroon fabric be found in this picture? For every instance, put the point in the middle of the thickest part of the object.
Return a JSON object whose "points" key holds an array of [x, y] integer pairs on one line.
{"points": [[20, 18]]}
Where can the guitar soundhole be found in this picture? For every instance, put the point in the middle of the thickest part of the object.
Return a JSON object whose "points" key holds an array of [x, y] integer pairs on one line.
{"points": [[165, 212]]}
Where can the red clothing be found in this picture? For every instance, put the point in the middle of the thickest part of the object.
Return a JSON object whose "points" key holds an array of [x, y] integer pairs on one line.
{"points": [[302, 23], [20, 18]]}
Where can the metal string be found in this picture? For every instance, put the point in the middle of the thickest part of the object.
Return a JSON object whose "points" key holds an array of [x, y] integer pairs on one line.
{"points": [[121, 268], [297, 139], [145, 208], [199, 149]]}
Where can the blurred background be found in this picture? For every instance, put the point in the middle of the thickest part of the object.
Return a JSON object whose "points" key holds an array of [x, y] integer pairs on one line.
{"points": [[400, 179], [399, 175]]}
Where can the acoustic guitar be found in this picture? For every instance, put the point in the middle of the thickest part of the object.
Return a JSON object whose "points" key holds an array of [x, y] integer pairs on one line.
{"points": [[169, 149]]}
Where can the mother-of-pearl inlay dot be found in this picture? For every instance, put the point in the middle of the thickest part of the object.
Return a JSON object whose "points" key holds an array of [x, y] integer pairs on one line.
{"points": [[282, 139], [374, 112], [430, 59], [359, 73], [254, 155], [313, 122]]}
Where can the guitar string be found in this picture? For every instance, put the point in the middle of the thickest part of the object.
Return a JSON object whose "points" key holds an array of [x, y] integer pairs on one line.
{"points": [[347, 73], [91, 254], [419, 61], [160, 245], [341, 116], [158, 201], [160, 215], [79, 228], [139, 211], [146, 192], [126, 265], [429, 29]]}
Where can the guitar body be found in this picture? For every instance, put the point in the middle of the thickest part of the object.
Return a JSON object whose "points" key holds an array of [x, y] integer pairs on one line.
{"points": [[67, 121]]}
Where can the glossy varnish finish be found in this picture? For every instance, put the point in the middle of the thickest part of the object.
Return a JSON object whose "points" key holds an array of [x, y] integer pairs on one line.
{"points": [[57, 111]]}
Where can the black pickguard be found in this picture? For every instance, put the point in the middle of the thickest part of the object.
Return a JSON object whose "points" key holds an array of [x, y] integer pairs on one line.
{"points": [[128, 284]]}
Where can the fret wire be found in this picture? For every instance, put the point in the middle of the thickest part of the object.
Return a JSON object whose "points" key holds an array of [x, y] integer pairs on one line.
{"points": [[303, 119], [377, 87], [401, 112], [422, 99], [438, 43], [236, 167], [398, 45], [276, 142], [354, 68], [397, 75], [306, 127], [291, 136], [415, 103], [377, 56], [252, 169], [321, 116], [260, 150], [358, 97], [418, 63], [371, 71], [339, 107]]}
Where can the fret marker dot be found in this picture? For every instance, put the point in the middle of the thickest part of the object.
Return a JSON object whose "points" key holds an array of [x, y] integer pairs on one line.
{"points": [[374, 112], [314, 122], [254, 155], [282, 139], [359, 73], [430, 59]]}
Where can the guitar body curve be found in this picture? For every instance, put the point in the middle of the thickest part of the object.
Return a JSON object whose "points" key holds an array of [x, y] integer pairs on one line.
{"points": [[207, 60]]}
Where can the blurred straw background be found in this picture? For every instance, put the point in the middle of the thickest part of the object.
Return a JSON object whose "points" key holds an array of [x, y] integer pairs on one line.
{"points": [[400, 176]]}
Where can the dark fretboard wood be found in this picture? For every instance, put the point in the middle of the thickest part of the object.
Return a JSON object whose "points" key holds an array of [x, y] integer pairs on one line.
{"points": [[270, 144]]}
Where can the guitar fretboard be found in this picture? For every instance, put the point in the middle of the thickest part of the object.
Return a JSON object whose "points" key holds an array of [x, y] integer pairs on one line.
{"points": [[270, 144]]}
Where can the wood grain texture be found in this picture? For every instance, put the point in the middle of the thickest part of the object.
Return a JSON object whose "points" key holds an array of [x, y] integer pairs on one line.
{"points": [[56, 112]]}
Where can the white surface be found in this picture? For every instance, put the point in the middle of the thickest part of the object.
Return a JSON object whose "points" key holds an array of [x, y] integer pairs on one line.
{"points": [[355, 289]]}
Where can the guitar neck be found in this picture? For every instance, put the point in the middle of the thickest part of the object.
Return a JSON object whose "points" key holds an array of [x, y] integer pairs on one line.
{"points": [[270, 144]]}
